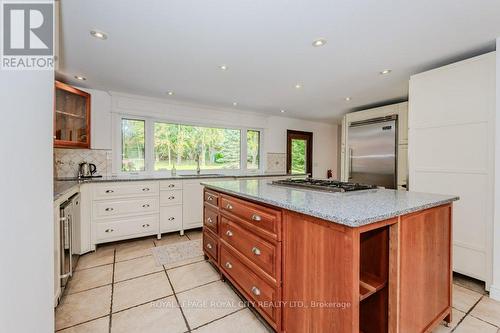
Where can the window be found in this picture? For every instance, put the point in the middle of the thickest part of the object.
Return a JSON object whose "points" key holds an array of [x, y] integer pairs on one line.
{"points": [[253, 149], [183, 145], [299, 152], [133, 145]]}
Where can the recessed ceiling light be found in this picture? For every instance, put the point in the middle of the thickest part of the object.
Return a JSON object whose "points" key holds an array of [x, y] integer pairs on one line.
{"points": [[348, 99], [319, 42], [298, 86], [98, 34], [282, 111], [385, 71], [170, 93], [235, 103], [81, 78], [223, 67]]}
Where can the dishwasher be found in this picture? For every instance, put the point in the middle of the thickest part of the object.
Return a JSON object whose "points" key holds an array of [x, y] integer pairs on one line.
{"points": [[69, 242]]}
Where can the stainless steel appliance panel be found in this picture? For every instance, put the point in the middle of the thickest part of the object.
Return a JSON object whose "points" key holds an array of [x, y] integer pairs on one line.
{"points": [[372, 153]]}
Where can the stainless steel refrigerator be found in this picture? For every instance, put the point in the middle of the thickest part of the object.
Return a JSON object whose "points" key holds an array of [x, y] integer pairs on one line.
{"points": [[372, 151]]}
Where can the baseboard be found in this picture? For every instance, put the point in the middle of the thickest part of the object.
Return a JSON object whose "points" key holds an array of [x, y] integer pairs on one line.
{"points": [[495, 292]]}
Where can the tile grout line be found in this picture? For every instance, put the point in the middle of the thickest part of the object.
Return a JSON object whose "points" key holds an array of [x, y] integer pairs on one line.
{"points": [[83, 322], [467, 313], [220, 318], [177, 300], [112, 291]]}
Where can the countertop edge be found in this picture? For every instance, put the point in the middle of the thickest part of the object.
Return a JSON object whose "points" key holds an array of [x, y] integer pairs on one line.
{"points": [[331, 218]]}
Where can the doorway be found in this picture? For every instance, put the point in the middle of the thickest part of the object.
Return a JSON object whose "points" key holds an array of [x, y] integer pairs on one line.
{"points": [[299, 152]]}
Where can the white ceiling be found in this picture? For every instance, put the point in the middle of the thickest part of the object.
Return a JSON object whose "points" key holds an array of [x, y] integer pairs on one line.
{"points": [[158, 45]]}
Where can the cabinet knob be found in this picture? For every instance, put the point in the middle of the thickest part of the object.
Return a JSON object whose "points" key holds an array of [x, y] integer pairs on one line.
{"points": [[256, 217], [145, 206], [209, 246], [228, 265], [209, 220], [109, 209], [109, 191], [229, 206], [229, 233], [145, 189], [255, 291], [171, 218], [256, 251], [210, 198], [108, 230], [171, 197], [145, 225]]}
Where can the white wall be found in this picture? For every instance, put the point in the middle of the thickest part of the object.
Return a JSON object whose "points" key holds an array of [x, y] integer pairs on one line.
{"points": [[274, 137], [26, 239], [495, 288]]}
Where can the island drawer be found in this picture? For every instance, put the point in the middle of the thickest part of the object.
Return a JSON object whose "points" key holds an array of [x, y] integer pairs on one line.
{"points": [[256, 217], [168, 198], [211, 219], [125, 189], [262, 295], [124, 207], [210, 245], [126, 228], [211, 198], [262, 253]]}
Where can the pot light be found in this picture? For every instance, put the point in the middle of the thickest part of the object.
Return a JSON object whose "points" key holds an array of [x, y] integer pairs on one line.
{"points": [[298, 86], [235, 103], [385, 71], [319, 42], [98, 34], [81, 78], [348, 99], [223, 67], [282, 111], [170, 93]]}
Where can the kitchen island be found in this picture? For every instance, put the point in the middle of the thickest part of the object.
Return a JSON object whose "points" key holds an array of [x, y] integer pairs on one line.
{"points": [[311, 261]]}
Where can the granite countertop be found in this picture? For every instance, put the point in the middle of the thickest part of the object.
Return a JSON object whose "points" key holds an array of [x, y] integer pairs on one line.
{"points": [[353, 209], [63, 185]]}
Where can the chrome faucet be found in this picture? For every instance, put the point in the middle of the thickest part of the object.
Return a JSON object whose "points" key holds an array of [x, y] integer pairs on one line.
{"points": [[198, 170]]}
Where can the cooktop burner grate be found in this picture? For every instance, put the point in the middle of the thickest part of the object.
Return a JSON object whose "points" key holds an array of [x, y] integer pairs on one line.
{"points": [[323, 185]]}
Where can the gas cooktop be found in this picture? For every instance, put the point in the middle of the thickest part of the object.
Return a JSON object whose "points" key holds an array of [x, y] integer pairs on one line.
{"points": [[323, 185]]}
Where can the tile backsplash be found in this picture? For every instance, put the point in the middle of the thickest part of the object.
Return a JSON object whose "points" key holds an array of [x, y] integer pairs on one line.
{"points": [[66, 161]]}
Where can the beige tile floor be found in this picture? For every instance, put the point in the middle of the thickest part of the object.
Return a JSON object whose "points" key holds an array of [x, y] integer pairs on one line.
{"points": [[119, 288]]}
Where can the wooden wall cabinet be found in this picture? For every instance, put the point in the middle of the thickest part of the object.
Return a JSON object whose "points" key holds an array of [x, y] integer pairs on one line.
{"points": [[71, 117]]}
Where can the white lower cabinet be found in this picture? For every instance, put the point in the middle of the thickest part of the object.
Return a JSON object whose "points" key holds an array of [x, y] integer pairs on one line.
{"points": [[116, 229], [170, 218], [192, 208]]}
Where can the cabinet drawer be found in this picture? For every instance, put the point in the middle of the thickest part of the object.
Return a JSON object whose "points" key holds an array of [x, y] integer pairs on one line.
{"points": [[257, 217], [126, 228], [262, 253], [170, 218], [124, 207], [211, 198], [211, 219], [168, 198], [250, 284], [210, 245], [171, 185], [127, 189]]}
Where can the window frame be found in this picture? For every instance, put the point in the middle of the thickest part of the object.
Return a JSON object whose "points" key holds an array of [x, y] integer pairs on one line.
{"points": [[149, 146]]}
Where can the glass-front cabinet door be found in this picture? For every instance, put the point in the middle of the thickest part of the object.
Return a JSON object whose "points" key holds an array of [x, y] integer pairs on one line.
{"points": [[71, 118]]}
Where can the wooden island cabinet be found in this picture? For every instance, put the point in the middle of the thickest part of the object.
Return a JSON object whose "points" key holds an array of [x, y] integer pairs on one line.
{"points": [[304, 274]]}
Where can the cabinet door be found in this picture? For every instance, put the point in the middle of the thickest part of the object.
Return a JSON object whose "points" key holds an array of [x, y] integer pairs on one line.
{"points": [[192, 204], [72, 117]]}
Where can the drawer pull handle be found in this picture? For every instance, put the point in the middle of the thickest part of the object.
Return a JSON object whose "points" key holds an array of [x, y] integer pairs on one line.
{"points": [[108, 230], [145, 225], [256, 217], [109, 209], [210, 198], [171, 185], [255, 291], [145, 206], [145, 189], [171, 197], [256, 251], [228, 265], [229, 233], [209, 246], [171, 218], [209, 220], [229, 206], [110, 191]]}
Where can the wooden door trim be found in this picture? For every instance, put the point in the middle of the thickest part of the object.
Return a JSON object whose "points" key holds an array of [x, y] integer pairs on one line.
{"points": [[308, 136]]}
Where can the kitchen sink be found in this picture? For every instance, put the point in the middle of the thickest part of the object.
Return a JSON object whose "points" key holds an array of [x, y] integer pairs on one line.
{"points": [[201, 175]]}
